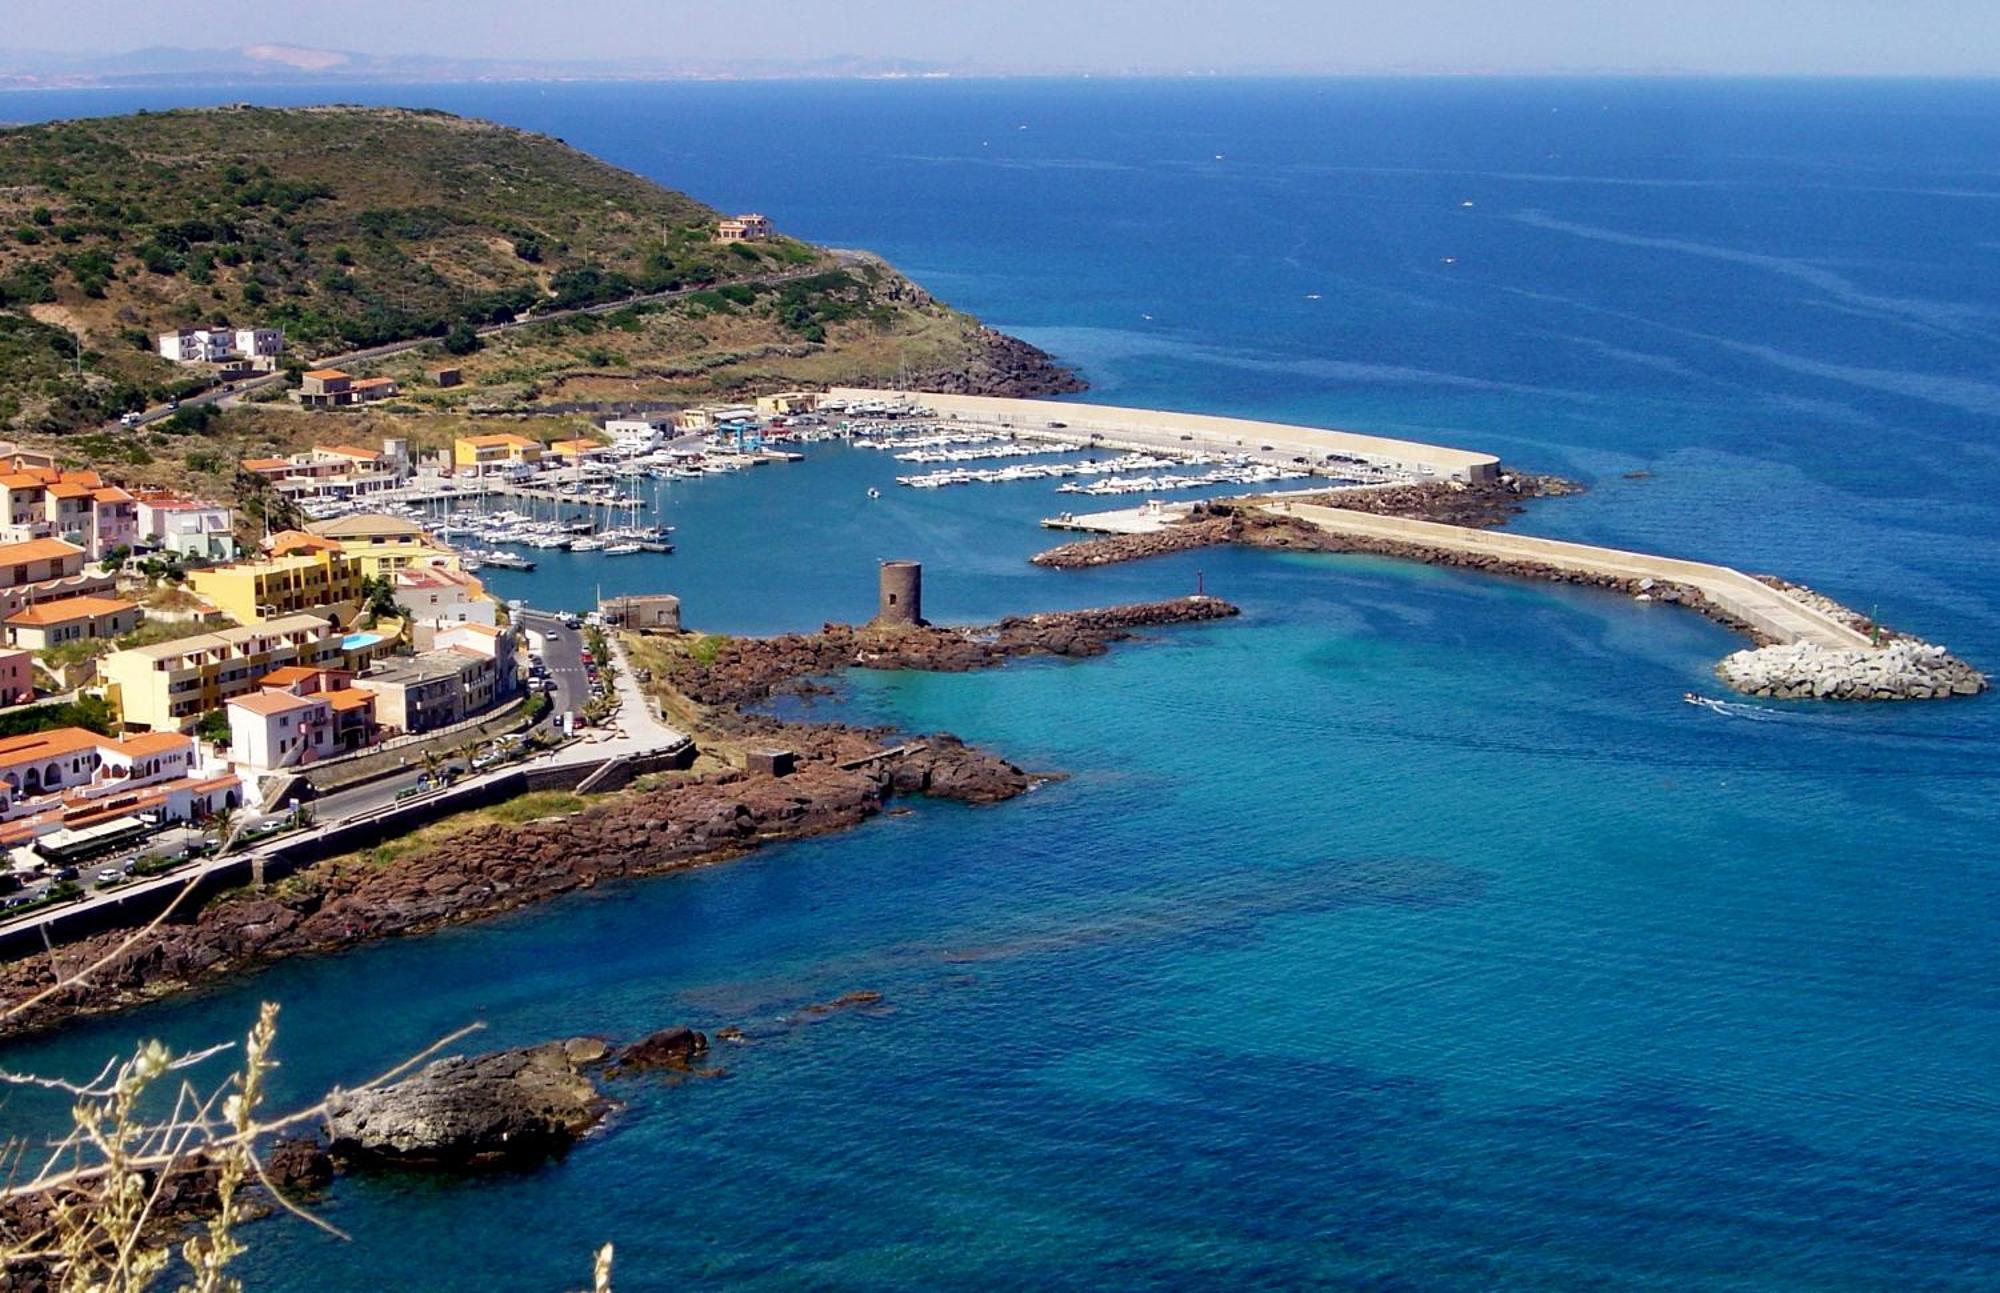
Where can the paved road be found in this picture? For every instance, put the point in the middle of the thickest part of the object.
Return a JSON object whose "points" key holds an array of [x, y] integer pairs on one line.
{"points": [[562, 653]]}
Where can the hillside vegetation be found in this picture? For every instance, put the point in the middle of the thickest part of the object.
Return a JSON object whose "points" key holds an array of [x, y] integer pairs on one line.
{"points": [[351, 227]]}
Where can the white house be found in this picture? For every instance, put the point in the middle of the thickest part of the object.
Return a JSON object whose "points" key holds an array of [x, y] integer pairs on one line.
{"points": [[187, 526], [636, 435], [216, 345], [197, 345], [438, 598], [259, 343], [269, 730]]}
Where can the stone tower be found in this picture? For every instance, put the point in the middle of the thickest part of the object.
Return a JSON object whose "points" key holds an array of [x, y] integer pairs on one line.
{"points": [[902, 597]]}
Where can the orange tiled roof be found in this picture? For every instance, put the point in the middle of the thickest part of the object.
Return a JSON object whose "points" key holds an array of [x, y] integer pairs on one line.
{"points": [[266, 464], [288, 675], [350, 451], [268, 703], [347, 698], [52, 744], [155, 743], [111, 494], [69, 489], [66, 609], [326, 373], [37, 550]]}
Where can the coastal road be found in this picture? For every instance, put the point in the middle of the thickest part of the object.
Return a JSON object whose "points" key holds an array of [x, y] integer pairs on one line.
{"points": [[562, 653]]}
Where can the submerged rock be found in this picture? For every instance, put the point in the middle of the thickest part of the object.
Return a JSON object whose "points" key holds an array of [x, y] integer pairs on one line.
{"points": [[507, 1107]]}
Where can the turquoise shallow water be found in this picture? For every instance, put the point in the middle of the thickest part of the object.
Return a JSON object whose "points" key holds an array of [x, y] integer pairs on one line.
{"points": [[1407, 932]]}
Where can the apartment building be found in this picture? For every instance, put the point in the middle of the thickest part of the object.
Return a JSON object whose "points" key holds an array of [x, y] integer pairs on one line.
{"points": [[251, 592], [168, 686]]}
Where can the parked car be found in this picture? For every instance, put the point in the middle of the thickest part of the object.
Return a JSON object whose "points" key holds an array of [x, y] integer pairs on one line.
{"points": [[109, 875]]}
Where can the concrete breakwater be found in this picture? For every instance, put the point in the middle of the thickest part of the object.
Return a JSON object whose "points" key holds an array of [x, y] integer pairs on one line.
{"points": [[1807, 646]]}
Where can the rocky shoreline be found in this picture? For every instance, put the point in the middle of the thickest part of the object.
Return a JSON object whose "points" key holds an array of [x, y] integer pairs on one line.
{"points": [[1001, 365], [744, 671], [843, 776]]}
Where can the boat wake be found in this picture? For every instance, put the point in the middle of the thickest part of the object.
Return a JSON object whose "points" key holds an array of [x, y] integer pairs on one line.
{"points": [[1735, 708]]}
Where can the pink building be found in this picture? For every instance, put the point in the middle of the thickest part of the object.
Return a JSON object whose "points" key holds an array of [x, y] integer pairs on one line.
{"points": [[17, 677]]}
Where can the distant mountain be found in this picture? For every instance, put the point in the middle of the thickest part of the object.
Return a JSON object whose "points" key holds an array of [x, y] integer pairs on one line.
{"points": [[277, 64]]}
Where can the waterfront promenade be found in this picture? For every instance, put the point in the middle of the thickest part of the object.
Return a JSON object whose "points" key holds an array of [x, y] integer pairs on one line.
{"points": [[1322, 449]]}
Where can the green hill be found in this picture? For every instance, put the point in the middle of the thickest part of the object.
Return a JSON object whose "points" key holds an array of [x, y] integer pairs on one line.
{"points": [[354, 226]]}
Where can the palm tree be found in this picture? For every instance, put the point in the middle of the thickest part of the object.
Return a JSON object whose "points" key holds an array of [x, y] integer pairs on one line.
{"points": [[223, 817]]}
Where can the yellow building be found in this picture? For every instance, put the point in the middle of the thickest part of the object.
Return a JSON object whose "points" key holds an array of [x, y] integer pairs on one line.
{"points": [[251, 592], [580, 449], [168, 686], [481, 454], [384, 545]]}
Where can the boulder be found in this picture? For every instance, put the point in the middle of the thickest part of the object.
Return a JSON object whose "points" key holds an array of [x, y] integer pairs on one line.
{"points": [[670, 1048], [507, 1107]]}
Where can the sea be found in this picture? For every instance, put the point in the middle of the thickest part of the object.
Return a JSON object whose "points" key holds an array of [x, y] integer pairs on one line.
{"points": [[1408, 932]]}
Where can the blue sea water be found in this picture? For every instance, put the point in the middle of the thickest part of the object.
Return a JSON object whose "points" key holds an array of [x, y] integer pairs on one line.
{"points": [[1407, 932]]}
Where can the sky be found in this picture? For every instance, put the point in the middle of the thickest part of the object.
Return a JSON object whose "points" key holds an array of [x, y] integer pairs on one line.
{"points": [[1788, 37]]}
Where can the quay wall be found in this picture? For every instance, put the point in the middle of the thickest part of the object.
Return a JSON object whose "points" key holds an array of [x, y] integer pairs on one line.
{"points": [[1144, 429]]}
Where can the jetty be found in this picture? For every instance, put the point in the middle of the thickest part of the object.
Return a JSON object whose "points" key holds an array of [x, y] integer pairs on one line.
{"points": [[1769, 611], [1321, 450]]}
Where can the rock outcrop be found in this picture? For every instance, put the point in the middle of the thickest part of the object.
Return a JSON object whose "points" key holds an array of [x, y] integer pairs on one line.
{"points": [[744, 671], [670, 1048], [507, 1107], [1901, 670]]}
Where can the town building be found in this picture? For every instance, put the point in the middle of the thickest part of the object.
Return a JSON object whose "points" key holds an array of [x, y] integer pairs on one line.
{"points": [[787, 403], [334, 471], [581, 449], [655, 612], [46, 570], [750, 227], [485, 455], [38, 561], [77, 506], [69, 779], [283, 584], [71, 619], [384, 544], [418, 693], [351, 712], [168, 686], [256, 347], [17, 677], [471, 668], [637, 435], [438, 597], [331, 388], [187, 527], [271, 730]]}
